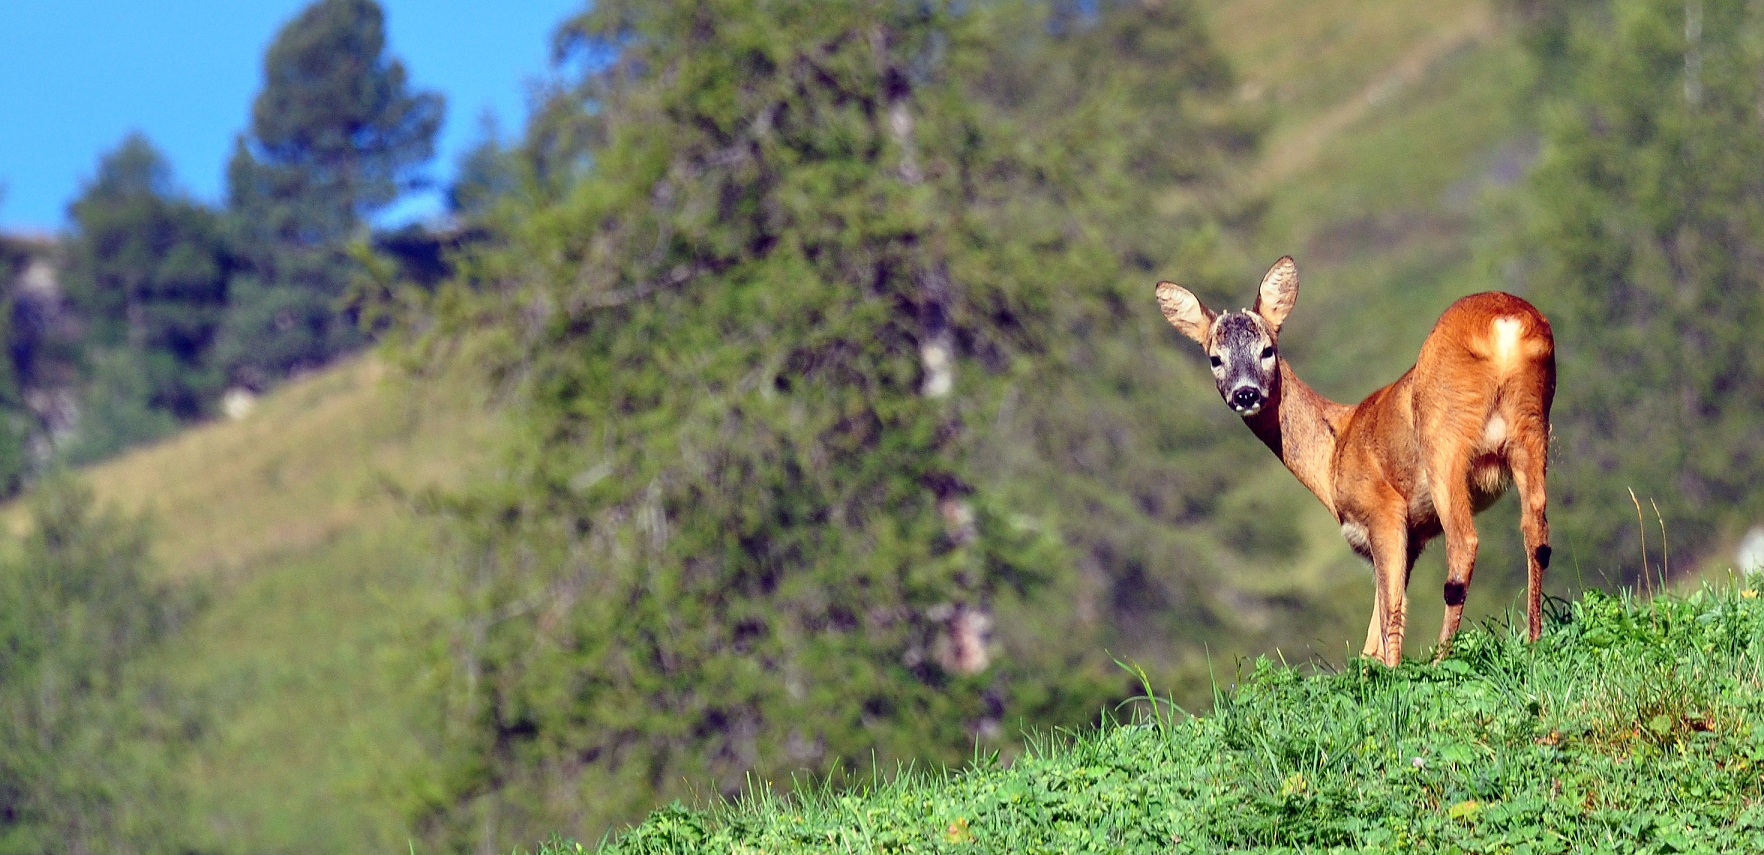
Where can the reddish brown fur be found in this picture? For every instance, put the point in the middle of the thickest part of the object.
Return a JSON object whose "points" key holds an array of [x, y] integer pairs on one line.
{"points": [[1419, 457]]}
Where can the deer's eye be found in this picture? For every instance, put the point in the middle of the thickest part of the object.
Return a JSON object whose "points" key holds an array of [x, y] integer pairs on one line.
{"points": [[1217, 362], [1268, 352]]}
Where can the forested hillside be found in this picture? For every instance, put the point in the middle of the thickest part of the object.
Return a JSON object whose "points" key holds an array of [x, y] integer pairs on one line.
{"points": [[787, 401], [156, 305]]}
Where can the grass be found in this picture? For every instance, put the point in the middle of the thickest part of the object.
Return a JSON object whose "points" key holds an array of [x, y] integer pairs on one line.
{"points": [[1385, 222], [1631, 727], [1385, 117], [1326, 70], [309, 464], [315, 721], [306, 660]]}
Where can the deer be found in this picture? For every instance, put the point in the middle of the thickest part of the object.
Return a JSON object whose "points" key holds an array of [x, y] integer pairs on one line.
{"points": [[1415, 459]]}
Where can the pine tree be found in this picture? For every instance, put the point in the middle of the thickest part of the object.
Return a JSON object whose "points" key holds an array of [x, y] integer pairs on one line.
{"points": [[337, 133], [17, 423], [1646, 227], [759, 520], [147, 275], [487, 172]]}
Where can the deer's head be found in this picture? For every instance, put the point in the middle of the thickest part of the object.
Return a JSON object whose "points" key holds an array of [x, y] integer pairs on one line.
{"points": [[1243, 347]]}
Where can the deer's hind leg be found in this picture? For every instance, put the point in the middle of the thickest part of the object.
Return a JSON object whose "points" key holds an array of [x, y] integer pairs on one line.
{"points": [[1448, 474], [1527, 458]]}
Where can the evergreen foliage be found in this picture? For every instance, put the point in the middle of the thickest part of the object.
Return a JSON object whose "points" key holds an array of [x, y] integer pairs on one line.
{"points": [[797, 358], [17, 423], [488, 172], [85, 749], [337, 133], [827, 337], [147, 275], [1647, 239]]}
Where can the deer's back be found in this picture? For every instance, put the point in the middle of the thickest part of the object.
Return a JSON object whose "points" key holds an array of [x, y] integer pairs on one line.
{"points": [[1485, 371], [1488, 350]]}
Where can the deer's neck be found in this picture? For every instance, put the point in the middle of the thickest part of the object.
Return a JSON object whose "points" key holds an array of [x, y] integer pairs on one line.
{"points": [[1300, 426]]}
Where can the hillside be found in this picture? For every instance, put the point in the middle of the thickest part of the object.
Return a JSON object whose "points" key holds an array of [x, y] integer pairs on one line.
{"points": [[318, 584], [1391, 128], [1630, 727]]}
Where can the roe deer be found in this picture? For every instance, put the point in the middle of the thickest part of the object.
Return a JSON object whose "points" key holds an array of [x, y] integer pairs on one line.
{"points": [[1415, 459]]}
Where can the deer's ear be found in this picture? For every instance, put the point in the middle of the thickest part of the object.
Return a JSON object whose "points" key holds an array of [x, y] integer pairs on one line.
{"points": [[1279, 292], [1185, 312]]}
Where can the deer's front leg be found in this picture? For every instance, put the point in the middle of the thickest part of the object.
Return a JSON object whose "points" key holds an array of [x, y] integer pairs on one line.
{"points": [[1375, 629], [1389, 542]]}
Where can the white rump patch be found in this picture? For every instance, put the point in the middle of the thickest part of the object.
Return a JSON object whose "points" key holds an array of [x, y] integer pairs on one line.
{"points": [[1506, 335], [1495, 432]]}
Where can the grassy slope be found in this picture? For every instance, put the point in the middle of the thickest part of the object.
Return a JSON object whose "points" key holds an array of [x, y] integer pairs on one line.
{"points": [[1630, 728], [318, 582], [1387, 118]]}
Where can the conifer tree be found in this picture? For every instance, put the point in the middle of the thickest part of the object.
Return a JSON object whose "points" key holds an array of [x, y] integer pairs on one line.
{"points": [[147, 275], [487, 173], [17, 423], [1647, 230], [337, 133], [767, 340]]}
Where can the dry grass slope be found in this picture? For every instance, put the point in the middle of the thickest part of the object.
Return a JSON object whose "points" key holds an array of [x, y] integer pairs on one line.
{"points": [[308, 464]]}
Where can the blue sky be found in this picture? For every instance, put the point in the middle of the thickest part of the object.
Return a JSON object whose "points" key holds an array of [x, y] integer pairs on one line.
{"points": [[77, 75]]}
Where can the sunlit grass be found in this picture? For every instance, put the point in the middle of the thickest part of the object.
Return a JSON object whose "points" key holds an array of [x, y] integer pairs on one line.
{"points": [[312, 685], [308, 464], [320, 582], [1632, 726], [306, 661], [1308, 60]]}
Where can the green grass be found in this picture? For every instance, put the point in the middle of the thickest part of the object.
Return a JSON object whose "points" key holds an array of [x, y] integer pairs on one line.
{"points": [[321, 587], [1385, 220], [316, 721], [1385, 117], [1325, 69], [1631, 727], [310, 464]]}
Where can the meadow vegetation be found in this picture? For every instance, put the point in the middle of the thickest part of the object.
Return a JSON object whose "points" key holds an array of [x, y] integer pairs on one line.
{"points": [[87, 744], [1632, 726], [786, 421]]}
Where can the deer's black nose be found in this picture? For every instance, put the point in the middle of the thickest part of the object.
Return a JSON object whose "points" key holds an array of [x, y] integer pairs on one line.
{"points": [[1246, 398]]}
